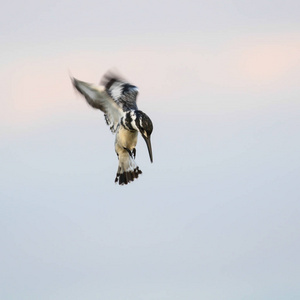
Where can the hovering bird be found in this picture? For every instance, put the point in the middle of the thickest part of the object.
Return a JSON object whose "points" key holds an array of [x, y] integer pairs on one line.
{"points": [[117, 99]]}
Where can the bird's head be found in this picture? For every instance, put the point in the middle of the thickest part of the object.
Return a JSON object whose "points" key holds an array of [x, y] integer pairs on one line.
{"points": [[145, 127]]}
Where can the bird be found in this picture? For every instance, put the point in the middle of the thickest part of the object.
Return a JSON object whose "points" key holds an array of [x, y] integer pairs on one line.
{"points": [[116, 98]]}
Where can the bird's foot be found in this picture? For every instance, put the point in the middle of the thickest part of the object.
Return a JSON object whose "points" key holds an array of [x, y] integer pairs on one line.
{"points": [[131, 153]]}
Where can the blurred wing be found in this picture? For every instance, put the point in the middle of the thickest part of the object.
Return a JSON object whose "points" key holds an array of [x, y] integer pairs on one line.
{"points": [[123, 93], [97, 97]]}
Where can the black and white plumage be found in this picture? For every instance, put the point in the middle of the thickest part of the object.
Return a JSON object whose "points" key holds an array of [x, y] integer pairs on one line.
{"points": [[117, 99]]}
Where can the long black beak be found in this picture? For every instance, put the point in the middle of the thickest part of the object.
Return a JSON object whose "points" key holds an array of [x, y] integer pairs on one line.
{"points": [[148, 142]]}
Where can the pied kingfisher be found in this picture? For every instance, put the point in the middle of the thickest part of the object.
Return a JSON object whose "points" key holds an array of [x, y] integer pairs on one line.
{"points": [[117, 99]]}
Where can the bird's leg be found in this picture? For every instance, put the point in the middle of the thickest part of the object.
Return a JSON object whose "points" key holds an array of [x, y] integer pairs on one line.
{"points": [[130, 153]]}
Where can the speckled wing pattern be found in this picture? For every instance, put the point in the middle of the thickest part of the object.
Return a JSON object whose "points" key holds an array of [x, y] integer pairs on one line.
{"points": [[122, 92]]}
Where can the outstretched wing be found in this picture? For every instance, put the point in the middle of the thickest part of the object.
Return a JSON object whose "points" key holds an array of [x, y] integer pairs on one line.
{"points": [[122, 92], [97, 97]]}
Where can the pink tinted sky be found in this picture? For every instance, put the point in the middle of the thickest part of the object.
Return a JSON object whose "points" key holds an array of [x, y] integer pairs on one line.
{"points": [[166, 71]]}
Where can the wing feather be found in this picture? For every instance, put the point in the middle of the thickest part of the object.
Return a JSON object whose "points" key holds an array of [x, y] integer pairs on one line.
{"points": [[122, 92], [97, 97]]}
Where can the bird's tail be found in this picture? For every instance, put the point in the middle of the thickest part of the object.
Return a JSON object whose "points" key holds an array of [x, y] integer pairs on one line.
{"points": [[127, 169]]}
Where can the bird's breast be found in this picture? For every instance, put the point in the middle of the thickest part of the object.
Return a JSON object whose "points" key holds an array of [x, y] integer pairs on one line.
{"points": [[126, 139]]}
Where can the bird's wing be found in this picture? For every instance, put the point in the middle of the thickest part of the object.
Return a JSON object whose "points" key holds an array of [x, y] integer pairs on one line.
{"points": [[97, 97], [123, 93]]}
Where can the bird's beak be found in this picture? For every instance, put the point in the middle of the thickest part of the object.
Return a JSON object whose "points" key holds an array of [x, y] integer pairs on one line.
{"points": [[148, 142]]}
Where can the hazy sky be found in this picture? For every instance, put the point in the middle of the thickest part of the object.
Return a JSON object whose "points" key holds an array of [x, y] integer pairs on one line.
{"points": [[216, 216]]}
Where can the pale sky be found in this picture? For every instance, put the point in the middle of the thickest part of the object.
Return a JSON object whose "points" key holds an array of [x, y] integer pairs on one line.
{"points": [[216, 216]]}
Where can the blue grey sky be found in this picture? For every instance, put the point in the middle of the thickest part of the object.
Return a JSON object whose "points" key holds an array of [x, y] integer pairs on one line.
{"points": [[216, 216]]}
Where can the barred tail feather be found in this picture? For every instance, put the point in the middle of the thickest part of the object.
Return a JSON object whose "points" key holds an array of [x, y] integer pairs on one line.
{"points": [[127, 170]]}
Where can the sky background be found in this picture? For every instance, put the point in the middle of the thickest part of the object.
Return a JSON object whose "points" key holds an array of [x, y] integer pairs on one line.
{"points": [[216, 216]]}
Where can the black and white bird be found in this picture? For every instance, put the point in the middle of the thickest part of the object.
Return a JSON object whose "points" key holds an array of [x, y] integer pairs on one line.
{"points": [[117, 99]]}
